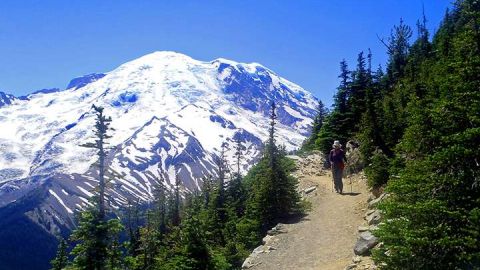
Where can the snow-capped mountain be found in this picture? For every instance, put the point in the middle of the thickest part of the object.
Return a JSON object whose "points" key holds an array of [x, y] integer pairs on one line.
{"points": [[170, 115]]}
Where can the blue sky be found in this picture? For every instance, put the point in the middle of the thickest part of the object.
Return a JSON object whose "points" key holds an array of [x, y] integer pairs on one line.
{"points": [[45, 43]]}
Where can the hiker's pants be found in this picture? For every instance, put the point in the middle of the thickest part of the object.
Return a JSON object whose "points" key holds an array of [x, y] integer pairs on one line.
{"points": [[337, 177]]}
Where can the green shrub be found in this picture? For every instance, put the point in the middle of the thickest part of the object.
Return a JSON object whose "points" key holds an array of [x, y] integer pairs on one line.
{"points": [[377, 170]]}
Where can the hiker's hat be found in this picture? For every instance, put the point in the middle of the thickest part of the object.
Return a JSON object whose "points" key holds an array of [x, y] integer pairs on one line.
{"points": [[336, 144]]}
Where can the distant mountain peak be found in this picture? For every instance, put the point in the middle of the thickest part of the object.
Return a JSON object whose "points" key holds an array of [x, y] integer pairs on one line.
{"points": [[6, 99], [80, 82]]}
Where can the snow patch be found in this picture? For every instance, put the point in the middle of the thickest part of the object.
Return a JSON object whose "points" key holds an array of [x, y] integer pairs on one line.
{"points": [[60, 201]]}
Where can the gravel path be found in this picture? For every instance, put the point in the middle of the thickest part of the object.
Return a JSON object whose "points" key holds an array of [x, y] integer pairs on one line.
{"points": [[323, 239]]}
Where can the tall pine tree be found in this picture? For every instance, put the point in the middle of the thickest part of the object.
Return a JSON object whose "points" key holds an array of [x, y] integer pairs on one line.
{"points": [[97, 237]]}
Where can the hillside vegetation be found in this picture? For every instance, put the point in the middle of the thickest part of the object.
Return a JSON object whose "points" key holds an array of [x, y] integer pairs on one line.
{"points": [[419, 134], [214, 228]]}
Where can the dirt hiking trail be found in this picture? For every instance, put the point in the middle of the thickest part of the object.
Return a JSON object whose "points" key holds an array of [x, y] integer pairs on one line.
{"points": [[325, 237]]}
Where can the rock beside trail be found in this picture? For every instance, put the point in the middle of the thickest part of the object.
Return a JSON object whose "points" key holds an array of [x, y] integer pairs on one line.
{"points": [[310, 189], [357, 259], [258, 250], [351, 266], [250, 260], [371, 198], [366, 240], [266, 247], [374, 217], [269, 240], [355, 162], [373, 203], [361, 263], [363, 228], [248, 263], [311, 165], [280, 228], [365, 243]]}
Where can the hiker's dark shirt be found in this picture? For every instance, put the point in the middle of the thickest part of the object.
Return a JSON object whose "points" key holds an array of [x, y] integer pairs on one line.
{"points": [[336, 156]]}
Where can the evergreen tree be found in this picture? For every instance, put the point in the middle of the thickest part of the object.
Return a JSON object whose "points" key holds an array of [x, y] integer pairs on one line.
{"points": [[271, 149], [432, 220], [101, 128], [443, 38], [148, 243], [234, 249], [175, 204], [238, 154], [61, 259], [214, 214], [235, 189], [219, 200], [338, 125], [396, 98], [153, 234], [132, 220], [97, 241], [343, 90], [397, 48], [274, 190], [96, 237], [356, 100], [370, 134], [160, 207], [317, 124], [207, 190], [114, 256]]}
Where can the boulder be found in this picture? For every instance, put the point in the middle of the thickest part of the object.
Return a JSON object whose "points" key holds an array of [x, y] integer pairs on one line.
{"points": [[351, 267], [280, 228], [268, 239], [258, 250], [269, 248], [354, 157], [365, 242], [363, 228], [374, 202], [272, 232], [357, 259], [310, 189], [374, 217], [248, 263], [369, 212]]}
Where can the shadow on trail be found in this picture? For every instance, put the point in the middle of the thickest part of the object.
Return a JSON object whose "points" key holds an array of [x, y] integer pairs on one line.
{"points": [[351, 193], [296, 218]]}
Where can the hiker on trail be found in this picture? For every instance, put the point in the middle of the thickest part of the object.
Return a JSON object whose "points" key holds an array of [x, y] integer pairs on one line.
{"points": [[337, 160]]}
